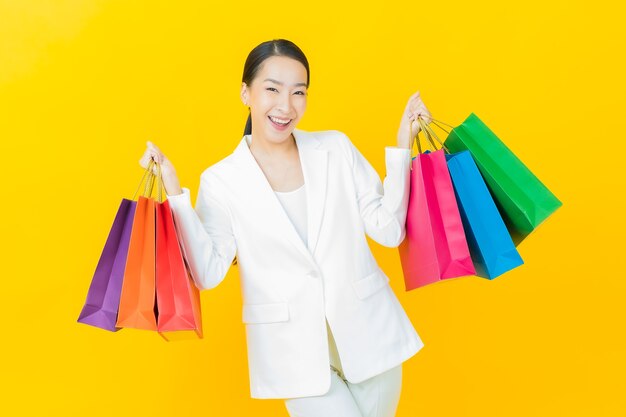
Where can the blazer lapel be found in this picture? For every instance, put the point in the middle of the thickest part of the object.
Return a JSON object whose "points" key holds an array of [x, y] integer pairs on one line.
{"points": [[314, 163], [315, 170]]}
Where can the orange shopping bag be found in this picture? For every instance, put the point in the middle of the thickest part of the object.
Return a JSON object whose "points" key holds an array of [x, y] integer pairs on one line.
{"points": [[178, 298], [138, 307]]}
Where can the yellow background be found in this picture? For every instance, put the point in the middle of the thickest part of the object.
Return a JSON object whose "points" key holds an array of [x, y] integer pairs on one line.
{"points": [[84, 84]]}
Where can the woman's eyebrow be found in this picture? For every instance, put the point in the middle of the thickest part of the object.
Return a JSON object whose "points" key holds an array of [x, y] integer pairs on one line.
{"points": [[280, 83]]}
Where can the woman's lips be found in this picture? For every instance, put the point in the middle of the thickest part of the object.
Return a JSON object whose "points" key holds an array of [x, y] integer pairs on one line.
{"points": [[277, 126]]}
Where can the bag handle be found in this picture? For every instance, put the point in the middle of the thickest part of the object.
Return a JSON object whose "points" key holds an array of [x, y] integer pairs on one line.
{"points": [[430, 134], [160, 186], [149, 186], [146, 172], [417, 137], [436, 122], [159, 181]]}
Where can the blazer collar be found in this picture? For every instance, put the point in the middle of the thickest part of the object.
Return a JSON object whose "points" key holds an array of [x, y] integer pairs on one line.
{"points": [[314, 161]]}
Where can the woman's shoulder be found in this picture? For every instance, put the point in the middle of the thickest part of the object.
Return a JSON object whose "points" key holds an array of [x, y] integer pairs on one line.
{"points": [[335, 139], [328, 135], [331, 139], [220, 171]]}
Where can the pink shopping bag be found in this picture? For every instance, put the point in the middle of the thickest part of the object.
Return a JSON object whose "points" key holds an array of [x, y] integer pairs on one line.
{"points": [[435, 246]]}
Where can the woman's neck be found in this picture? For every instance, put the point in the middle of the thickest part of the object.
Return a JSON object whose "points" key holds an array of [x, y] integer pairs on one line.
{"points": [[267, 149]]}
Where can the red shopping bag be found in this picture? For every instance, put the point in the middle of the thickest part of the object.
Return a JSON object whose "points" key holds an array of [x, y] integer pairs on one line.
{"points": [[435, 247], [137, 308], [178, 298]]}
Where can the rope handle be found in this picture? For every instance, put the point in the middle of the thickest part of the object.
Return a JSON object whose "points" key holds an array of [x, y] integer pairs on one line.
{"points": [[429, 133], [149, 185]]}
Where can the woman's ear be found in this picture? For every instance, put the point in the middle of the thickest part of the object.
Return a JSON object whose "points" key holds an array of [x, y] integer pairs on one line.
{"points": [[244, 93]]}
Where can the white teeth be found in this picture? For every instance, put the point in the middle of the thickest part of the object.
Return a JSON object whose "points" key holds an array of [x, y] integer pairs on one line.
{"points": [[280, 121]]}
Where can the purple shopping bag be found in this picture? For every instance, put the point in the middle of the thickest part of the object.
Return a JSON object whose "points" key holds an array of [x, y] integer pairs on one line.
{"points": [[103, 298]]}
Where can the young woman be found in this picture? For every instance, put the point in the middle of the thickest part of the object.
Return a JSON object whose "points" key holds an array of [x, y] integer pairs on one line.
{"points": [[324, 330]]}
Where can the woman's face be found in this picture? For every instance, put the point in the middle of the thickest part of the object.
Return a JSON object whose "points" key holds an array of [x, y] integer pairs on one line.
{"points": [[277, 92]]}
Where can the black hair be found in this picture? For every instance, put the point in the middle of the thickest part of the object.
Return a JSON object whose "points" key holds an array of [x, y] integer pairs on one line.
{"points": [[267, 49]]}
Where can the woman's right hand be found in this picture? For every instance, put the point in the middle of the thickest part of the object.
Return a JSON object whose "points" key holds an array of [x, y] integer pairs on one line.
{"points": [[168, 173]]}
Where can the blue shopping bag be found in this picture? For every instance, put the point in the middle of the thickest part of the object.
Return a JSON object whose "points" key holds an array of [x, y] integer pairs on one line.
{"points": [[491, 246]]}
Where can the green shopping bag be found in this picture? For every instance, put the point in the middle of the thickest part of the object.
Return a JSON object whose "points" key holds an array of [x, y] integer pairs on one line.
{"points": [[523, 200]]}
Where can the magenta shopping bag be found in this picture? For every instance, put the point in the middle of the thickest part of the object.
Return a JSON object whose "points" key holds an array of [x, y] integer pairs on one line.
{"points": [[435, 246]]}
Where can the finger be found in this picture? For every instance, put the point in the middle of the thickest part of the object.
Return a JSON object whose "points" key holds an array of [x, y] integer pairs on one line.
{"points": [[156, 158], [418, 110], [153, 147], [417, 103], [412, 99], [152, 152], [424, 118], [144, 162], [149, 156]]}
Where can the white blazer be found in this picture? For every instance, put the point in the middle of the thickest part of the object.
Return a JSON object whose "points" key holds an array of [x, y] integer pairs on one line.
{"points": [[290, 290]]}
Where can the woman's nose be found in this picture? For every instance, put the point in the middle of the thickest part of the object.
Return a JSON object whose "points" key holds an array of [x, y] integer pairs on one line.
{"points": [[284, 103]]}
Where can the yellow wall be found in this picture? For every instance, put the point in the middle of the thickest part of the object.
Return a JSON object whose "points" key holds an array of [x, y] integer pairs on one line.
{"points": [[84, 84]]}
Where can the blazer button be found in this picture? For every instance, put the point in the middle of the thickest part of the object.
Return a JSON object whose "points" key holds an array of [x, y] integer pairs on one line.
{"points": [[313, 274]]}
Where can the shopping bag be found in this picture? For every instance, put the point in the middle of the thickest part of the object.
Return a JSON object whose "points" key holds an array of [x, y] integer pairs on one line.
{"points": [[103, 297], [178, 298], [138, 307], [435, 247], [491, 247], [522, 199]]}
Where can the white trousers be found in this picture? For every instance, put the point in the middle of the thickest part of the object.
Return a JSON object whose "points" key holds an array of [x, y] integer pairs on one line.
{"points": [[377, 396]]}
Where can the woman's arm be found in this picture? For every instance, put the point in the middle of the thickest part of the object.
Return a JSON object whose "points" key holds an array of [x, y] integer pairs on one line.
{"points": [[383, 206], [205, 234]]}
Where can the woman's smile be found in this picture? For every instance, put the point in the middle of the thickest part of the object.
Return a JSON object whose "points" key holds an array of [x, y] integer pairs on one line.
{"points": [[279, 124]]}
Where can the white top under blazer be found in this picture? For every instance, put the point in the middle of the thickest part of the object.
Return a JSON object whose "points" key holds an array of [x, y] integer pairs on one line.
{"points": [[294, 203], [293, 289]]}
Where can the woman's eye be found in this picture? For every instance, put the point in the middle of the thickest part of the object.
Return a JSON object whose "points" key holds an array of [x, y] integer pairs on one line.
{"points": [[302, 93]]}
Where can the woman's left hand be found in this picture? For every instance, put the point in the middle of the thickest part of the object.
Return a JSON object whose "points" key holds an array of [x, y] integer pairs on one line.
{"points": [[415, 107]]}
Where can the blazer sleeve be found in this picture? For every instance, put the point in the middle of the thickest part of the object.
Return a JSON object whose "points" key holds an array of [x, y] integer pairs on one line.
{"points": [[205, 233], [383, 206]]}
